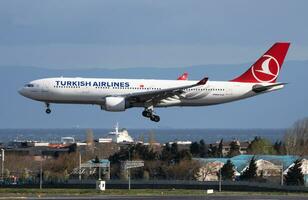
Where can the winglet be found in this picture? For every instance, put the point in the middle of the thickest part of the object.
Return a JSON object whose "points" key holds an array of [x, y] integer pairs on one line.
{"points": [[203, 81]]}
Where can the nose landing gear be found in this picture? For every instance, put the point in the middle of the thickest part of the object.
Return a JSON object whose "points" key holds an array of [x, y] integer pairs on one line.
{"points": [[149, 113], [48, 110]]}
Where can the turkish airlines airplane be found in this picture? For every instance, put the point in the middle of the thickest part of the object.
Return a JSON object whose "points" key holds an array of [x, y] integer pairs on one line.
{"points": [[120, 94]]}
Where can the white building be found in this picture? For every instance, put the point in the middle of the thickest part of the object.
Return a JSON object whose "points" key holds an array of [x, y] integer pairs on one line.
{"points": [[67, 140]]}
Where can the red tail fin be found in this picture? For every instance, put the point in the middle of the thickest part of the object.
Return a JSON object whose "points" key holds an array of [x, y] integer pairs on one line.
{"points": [[183, 77], [266, 69]]}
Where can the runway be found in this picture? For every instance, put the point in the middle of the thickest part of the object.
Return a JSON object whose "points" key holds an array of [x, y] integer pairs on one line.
{"points": [[207, 197]]}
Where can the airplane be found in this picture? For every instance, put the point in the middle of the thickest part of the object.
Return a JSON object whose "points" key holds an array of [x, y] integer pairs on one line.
{"points": [[117, 95]]}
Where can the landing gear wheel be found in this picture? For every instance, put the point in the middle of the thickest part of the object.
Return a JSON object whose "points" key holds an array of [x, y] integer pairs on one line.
{"points": [[146, 113], [155, 118], [149, 113], [48, 111]]}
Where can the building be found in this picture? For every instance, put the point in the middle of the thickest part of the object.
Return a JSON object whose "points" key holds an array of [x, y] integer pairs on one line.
{"points": [[226, 146], [38, 152], [182, 145], [269, 166], [67, 140], [210, 167]]}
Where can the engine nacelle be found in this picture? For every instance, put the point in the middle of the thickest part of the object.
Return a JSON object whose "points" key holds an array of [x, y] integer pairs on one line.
{"points": [[115, 104]]}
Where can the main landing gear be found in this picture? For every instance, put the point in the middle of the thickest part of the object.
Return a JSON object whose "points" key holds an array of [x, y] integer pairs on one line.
{"points": [[48, 111], [149, 113]]}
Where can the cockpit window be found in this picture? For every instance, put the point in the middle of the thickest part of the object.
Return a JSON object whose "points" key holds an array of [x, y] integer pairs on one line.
{"points": [[29, 85]]}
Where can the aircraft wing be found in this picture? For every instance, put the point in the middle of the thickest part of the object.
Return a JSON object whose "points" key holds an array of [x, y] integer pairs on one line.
{"points": [[157, 95]]}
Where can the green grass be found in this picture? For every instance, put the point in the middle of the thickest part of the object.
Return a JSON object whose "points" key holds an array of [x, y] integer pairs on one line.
{"points": [[15, 192]]}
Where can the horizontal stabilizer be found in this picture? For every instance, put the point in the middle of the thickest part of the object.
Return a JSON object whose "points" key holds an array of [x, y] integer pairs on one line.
{"points": [[260, 88]]}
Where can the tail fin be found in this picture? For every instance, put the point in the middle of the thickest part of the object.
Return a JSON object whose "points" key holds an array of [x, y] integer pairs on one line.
{"points": [[266, 68], [183, 77]]}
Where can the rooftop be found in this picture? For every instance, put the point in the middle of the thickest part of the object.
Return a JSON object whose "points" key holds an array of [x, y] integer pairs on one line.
{"points": [[241, 161]]}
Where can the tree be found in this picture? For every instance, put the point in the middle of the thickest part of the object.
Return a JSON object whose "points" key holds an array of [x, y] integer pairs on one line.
{"points": [[195, 149], [279, 147], [234, 149], [146, 175], [227, 171], [295, 139], [46, 175], [212, 151], [203, 149], [152, 138], [96, 160], [6, 174], [183, 155], [172, 155], [25, 174], [119, 156], [204, 171], [216, 151], [251, 171], [66, 175], [295, 175], [140, 151], [174, 148], [90, 140], [260, 146], [166, 154], [220, 148], [184, 170]]}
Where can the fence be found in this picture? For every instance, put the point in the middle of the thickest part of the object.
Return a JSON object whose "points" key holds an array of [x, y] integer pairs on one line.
{"points": [[170, 184]]}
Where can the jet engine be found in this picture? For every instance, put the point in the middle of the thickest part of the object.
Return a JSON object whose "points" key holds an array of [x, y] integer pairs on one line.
{"points": [[115, 104]]}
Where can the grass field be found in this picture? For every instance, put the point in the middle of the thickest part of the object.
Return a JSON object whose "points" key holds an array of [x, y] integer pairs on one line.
{"points": [[15, 192]]}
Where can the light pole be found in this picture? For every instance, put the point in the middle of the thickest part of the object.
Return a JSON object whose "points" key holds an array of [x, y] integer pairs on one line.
{"points": [[129, 171], [220, 180], [2, 163], [108, 170], [281, 180], [99, 172], [41, 175], [79, 166]]}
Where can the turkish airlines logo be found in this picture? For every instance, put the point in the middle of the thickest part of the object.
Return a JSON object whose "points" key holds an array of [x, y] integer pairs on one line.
{"points": [[266, 69]]}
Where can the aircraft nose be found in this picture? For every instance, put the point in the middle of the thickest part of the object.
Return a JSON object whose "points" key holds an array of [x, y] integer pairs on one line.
{"points": [[22, 91]]}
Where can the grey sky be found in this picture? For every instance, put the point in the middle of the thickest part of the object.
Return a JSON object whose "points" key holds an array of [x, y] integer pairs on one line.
{"points": [[167, 33]]}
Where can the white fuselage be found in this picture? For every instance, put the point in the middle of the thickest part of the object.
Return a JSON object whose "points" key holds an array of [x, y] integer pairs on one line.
{"points": [[95, 90]]}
